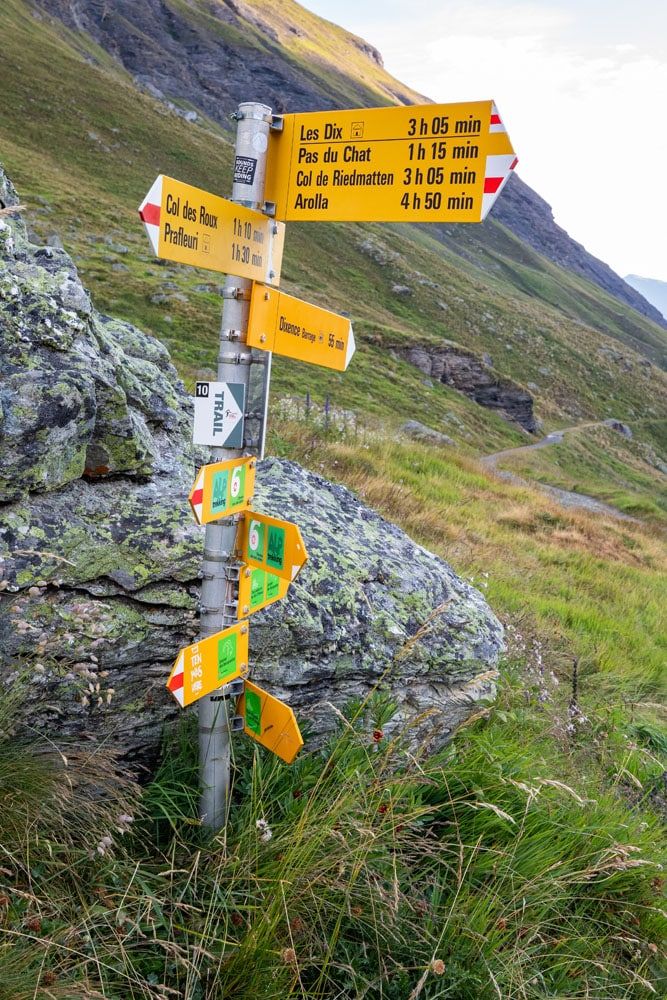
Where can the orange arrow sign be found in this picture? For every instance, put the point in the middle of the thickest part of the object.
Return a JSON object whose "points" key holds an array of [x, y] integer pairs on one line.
{"points": [[271, 544], [206, 665], [222, 489], [258, 589], [297, 329], [269, 721]]}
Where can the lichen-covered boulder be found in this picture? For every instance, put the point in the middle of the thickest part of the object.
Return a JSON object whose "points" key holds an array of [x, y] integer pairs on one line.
{"points": [[81, 394], [100, 557]]}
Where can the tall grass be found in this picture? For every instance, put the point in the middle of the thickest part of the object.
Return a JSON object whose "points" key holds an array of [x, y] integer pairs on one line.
{"points": [[592, 586], [368, 869]]}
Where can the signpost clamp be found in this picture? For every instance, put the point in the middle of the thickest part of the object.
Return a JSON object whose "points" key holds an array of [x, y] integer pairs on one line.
{"points": [[251, 116], [238, 293], [235, 359], [231, 690], [277, 123], [221, 557]]}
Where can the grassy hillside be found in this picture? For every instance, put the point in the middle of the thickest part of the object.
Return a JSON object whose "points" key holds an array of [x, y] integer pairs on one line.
{"points": [[524, 861], [106, 142]]}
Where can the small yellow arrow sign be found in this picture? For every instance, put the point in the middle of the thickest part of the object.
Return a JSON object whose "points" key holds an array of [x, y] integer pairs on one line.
{"points": [[297, 329], [269, 721], [206, 665], [222, 489], [258, 589], [192, 226], [272, 545]]}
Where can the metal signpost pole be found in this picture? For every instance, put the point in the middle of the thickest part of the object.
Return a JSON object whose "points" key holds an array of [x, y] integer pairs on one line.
{"points": [[183, 224], [217, 591]]}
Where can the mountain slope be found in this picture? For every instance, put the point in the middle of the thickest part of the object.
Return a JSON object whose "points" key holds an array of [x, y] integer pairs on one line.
{"points": [[85, 152], [209, 55], [213, 54], [654, 291]]}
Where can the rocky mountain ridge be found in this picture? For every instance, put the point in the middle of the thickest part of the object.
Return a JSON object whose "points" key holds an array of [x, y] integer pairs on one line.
{"points": [[206, 57]]}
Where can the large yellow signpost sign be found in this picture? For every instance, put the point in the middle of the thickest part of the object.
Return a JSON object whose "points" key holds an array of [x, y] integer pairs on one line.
{"points": [[206, 665], [297, 329], [430, 163], [269, 721], [191, 226]]}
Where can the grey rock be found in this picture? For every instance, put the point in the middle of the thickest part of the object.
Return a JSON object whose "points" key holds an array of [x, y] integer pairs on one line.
{"points": [[118, 248], [80, 394], [101, 556], [620, 428], [466, 371], [402, 291], [151, 88], [420, 432]]}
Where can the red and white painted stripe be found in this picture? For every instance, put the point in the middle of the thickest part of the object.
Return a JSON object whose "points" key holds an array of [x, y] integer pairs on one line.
{"points": [[149, 213], [498, 172], [196, 497], [498, 167], [177, 679], [496, 121]]}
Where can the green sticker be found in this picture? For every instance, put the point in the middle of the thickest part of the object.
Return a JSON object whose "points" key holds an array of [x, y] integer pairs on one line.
{"points": [[219, 492], [256, 540], [275, 555], [226, 656], [253, 711], [237, 486], [257, 582], [272, 586]]}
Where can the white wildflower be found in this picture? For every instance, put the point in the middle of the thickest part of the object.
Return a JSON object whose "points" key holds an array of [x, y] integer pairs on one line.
{"points": [[265, 832], [104, 844], [124, 821]]}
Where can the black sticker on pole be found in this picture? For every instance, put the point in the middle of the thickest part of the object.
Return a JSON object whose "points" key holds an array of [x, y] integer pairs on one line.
{"points": [[244, 170]]}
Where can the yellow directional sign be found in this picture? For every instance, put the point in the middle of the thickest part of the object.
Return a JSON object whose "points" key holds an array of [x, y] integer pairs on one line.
{"points": [[271, 544], [222, 489], [431, 163], [192, 226], [258, 589], [297, 329], [269, 721], [208, 664]]}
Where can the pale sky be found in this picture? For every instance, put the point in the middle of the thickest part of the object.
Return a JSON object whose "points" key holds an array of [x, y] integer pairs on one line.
{"points": [[581, 86]]}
